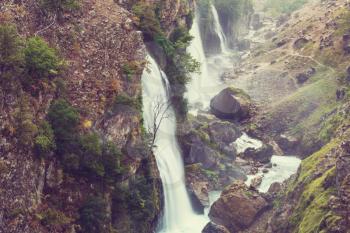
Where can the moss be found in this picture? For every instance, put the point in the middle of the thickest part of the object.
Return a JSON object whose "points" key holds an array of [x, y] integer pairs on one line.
{"points": [[239, 93], [313, 205]]}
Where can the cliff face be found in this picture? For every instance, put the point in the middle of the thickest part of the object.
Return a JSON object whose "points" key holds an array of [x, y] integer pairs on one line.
{"points": [[105, 57]]}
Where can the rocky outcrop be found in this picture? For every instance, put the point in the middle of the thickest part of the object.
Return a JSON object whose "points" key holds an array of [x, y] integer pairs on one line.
{"points": [[230, 103], [214, 228], [262, 154], [238, 207]]}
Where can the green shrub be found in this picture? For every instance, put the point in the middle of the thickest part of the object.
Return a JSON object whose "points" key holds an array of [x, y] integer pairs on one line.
{"points": [[11, 53], [92, 155], [93, 215], [44, 142], [52, 217], [111, 157], [41, 61], [64, 120]]}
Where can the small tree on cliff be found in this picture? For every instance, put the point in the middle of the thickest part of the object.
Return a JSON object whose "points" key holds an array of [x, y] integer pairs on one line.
{"points": [[160, 112]]}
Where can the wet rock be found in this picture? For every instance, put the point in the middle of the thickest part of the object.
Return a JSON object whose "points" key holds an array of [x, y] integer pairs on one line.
{"points": [[262, 154], [199, 195], [275, 187], [230, 103], [281, 43], [238, 207], [200, 152], [214, 228], [256, 181]]}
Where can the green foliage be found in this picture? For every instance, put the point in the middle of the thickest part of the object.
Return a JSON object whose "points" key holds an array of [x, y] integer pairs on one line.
{"points": [[111, 157], [59, 6], [64, 120], [45, 140], [125, 100], [41, 60], [92, 154], [53, 218], [11, 53], [148, 20], [94, 216]]}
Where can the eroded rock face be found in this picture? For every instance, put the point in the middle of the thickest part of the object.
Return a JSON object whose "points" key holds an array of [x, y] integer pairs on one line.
{"points": [[238, 207], [229, 104]]}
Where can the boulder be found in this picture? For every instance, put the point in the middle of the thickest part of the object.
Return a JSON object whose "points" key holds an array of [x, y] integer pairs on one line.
{"points": [[238, 207], [262, 154], [200, 152], [304, 76], [198, 191], [230, 103], [214, 228]]}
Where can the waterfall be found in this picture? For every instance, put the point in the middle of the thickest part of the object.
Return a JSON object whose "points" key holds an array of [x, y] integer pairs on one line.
{"points": [[178, 213], [219, 31], [200, 88]]}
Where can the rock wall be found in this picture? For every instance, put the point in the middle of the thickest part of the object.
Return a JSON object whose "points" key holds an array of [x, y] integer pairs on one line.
{"points": [[100, 44]]}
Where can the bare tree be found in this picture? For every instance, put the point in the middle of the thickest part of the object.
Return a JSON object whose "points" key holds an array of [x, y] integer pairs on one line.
{"points": [[160, 113]]}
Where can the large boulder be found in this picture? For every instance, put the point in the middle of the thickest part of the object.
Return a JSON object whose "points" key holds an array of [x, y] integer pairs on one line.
{"points": [[214, 228], [262, 154], [231, 103], [238, 207]]}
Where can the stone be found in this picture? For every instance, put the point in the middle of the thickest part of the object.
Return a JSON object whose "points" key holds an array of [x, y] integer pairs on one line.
{"points": [[230, 104], [214, 228], [262, 154], [237, 207], [256, 22], [287, 143]]}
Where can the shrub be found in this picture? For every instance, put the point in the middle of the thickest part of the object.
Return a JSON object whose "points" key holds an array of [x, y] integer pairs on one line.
{"points": [[44, 142], [92, 154], [93, 215], [64, 120], [41, 61], [11, 53], [111, 157]]}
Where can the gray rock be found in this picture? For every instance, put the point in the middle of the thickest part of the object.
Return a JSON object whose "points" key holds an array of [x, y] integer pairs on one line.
{"points": [[214, 228], [229, 104], [262, 154]]}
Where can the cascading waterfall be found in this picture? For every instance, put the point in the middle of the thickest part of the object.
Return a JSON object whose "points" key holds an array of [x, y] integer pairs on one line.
{"points": [[179, 216], [219, 31]]}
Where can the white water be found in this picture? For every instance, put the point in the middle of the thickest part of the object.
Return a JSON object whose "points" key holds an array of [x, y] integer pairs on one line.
{"points": [[284, 167], [219, 31], [244, 142], [179, 216]]}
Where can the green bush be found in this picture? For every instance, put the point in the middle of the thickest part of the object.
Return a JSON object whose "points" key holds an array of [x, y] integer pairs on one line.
{"points": [[111, 157], [44, 142], [41, 61], [64, 120], [11, 53], [93, 216], [92, 155]]}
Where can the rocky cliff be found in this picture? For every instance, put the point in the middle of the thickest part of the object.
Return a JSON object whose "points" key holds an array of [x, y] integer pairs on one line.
{"points": [[104, 56]]}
